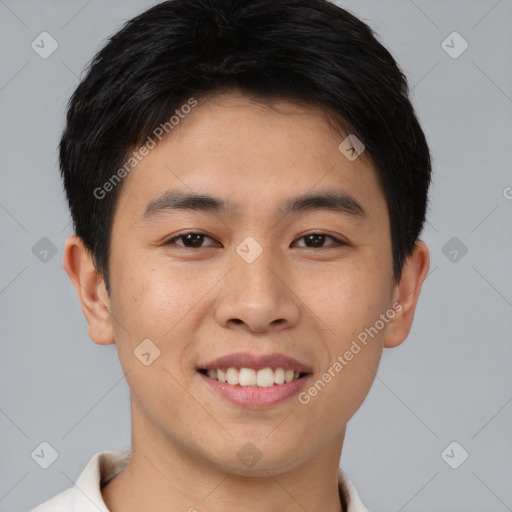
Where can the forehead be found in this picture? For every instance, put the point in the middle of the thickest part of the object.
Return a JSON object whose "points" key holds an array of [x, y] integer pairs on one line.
{"points": [[252, 157]]}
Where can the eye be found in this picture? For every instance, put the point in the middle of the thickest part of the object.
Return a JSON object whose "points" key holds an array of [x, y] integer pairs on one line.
{"points": [[192, 240], [316, 240]]}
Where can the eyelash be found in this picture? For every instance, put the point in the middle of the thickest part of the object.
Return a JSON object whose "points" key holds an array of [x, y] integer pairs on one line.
{"points": [[336, 243]]}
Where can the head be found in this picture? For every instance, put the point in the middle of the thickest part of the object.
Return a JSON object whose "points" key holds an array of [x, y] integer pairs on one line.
{"points": [[293, 124]]}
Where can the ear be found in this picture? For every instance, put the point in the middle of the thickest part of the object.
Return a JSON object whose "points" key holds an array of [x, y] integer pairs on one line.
{"points": [[406, 294], [91, 290]]}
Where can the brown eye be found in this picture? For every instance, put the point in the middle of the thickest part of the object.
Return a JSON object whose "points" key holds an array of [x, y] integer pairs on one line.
{"points": [[316, 241], [190, 240], [194, 240]]}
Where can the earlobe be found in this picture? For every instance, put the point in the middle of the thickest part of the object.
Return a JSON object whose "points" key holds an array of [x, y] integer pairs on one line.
{"points": [[406, 294], [91, 291]]}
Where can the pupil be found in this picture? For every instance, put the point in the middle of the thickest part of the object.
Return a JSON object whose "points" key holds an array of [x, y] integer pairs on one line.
{"points": [[190, 236], [193, 239], [317, 237]]}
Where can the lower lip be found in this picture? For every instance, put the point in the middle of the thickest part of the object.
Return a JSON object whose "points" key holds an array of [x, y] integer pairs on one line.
{"points": [[253, 397]]}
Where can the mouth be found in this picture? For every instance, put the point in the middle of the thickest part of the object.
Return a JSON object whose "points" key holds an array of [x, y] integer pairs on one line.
{"points": [[253, 378], [254, 381]]}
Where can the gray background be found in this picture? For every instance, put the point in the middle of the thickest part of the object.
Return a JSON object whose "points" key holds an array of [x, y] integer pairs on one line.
{"points": [[450, 381]]}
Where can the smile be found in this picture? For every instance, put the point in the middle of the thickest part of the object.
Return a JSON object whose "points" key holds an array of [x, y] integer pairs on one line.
{"points": [[249, 388], [249, 377]]}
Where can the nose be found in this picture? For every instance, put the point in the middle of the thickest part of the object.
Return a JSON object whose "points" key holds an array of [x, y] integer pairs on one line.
{"points": [[257, 296]]}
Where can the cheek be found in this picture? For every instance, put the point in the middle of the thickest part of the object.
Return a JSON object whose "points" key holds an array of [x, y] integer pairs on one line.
{"points": [[348, 387], [349, 298], [360, 298], [350, 307], [151, 298], [149, 305], [164, 304]]}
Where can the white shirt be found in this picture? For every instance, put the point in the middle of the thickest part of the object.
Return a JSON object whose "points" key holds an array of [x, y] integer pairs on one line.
{"points": [[85, 496]]}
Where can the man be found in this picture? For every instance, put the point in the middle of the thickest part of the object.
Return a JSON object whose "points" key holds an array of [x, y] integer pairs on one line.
{"points": [[248, 182]]}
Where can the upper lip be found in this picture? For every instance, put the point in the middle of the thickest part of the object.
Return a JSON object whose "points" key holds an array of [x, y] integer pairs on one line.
{"points": [[246, 360]]}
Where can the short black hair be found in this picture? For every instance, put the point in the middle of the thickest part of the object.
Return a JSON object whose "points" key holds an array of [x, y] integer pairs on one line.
{"points": [[308, 51]]}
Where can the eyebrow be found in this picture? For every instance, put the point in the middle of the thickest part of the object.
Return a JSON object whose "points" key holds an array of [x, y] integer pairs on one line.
{"points": [[330, 200]]}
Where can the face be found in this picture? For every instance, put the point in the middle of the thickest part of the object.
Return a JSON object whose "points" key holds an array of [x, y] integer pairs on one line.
{"points": [[251, 278]]}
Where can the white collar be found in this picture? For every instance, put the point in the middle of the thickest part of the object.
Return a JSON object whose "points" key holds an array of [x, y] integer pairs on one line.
{"points": [[86, 496]]}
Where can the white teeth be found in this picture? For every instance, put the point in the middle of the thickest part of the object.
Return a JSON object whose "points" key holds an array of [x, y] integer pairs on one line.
{"points": [[248, 377], [265, 378], [232, 376], [279, 376]]}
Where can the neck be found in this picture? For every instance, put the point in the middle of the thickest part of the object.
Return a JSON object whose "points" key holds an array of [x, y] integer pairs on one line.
{"points": [[165, 477]]}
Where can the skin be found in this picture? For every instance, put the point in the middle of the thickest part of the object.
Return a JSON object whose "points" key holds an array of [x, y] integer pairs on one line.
{"points": [[199, 304]]}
